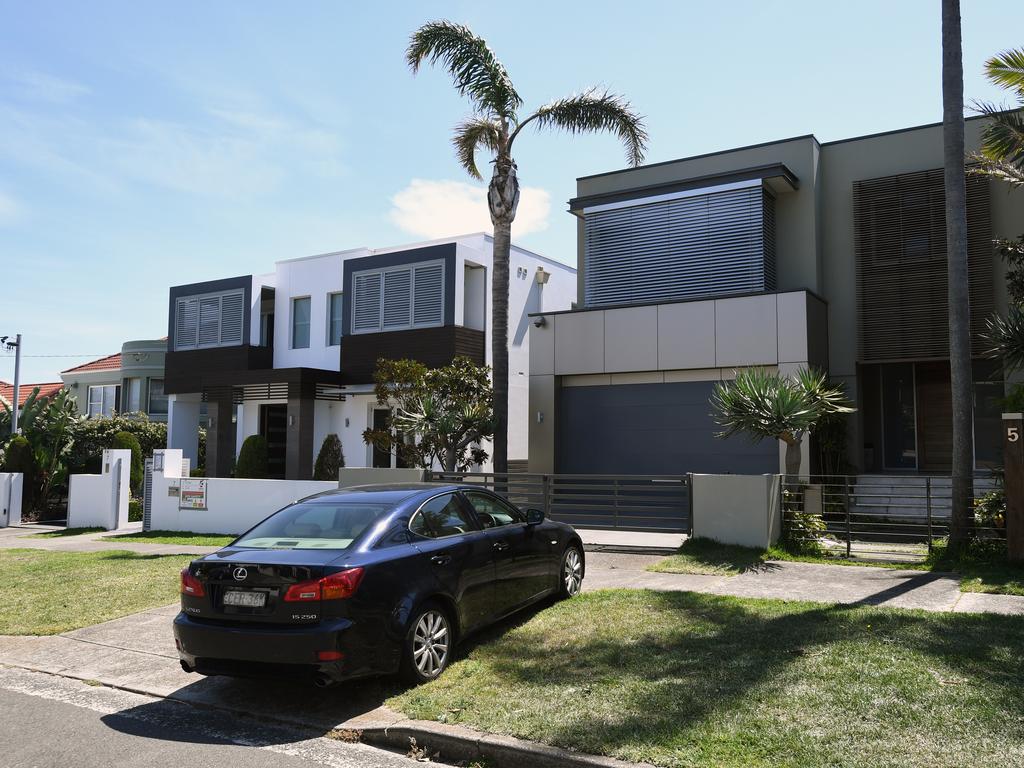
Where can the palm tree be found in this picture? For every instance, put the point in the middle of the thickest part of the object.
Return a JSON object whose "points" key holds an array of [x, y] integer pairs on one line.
{"points": [[1002, 141], [956, 251], [766, 405], [494, 126]]}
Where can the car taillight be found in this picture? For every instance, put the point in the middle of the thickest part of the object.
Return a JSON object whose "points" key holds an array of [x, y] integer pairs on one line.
{"points": [[337, 586], [190, 585]]}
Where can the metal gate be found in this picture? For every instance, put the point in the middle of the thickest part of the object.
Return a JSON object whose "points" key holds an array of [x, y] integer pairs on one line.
{"points": [[652, 503]]}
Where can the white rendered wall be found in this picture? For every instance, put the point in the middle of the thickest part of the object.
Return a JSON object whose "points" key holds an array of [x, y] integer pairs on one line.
{"points": [[234, 505], [10, 498], [737, 509], [101, 501]]}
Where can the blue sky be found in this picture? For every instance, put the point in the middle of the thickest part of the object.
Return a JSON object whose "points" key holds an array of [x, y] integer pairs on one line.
{"points": [[149, 144]]}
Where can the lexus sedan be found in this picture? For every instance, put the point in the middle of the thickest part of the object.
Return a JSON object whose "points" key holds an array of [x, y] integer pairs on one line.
{"points": [[369, 580]]}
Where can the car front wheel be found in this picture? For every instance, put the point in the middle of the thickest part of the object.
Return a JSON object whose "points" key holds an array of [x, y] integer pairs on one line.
{"points": [[571, 573], [428, 645]]}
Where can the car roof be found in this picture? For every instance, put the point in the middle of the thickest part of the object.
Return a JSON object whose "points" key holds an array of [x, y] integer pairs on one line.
{"points": [[392, 493]]}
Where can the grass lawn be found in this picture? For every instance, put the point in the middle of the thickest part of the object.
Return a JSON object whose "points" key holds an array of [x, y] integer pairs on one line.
{"points": [[683, 679], [64, 532], [50, 592], [979, 570], [174, 537]]}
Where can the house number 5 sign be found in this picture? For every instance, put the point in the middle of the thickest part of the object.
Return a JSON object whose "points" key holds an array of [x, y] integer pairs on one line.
{"points": [[1013, 484]]}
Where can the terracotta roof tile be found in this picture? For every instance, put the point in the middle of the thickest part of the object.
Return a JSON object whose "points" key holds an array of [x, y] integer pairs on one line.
{"points": [[108, 363], [24, 390]]}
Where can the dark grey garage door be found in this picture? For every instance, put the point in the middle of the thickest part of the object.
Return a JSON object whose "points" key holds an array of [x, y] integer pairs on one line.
{"points": [[651, 429]]}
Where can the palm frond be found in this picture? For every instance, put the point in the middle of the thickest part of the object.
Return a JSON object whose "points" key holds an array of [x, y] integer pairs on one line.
{"points": [[472, 64], [594, 111], [1002, 139], [1006, 70], [472, 133], [1005, 337]]}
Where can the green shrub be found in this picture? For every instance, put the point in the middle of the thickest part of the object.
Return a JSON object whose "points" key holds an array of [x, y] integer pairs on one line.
{"points": [[330, 460], [801, 531], [990, 510], [252, 459], [19, 457], [127, 441], [135, 510], [93, 435]]}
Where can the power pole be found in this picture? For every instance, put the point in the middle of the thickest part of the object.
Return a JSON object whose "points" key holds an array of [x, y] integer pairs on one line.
{"points": [[16, 344]]}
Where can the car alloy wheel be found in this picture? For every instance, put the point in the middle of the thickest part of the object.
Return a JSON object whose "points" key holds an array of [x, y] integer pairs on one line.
{"points": [[572, 572], [430, 643]]}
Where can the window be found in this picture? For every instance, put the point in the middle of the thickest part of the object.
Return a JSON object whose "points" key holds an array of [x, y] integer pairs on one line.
{"points": [[102, 400], [334, 318], [398, 298], [210, 320], [439, 517], [133, 397], [300, 323], [492, 511], [329, 524], [157, 398]]}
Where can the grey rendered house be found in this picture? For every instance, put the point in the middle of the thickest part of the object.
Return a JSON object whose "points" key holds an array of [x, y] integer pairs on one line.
{"points": [[779, 255], [129, 381]]}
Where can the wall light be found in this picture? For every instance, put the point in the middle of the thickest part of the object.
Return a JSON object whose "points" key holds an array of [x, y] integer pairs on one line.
{"points": [[542, 277]]}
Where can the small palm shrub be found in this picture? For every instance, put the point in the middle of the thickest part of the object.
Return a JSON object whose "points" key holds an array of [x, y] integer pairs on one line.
{"points": [[330, 460], [252, 459]]}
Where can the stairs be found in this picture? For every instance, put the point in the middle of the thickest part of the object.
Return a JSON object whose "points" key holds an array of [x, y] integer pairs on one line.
{"points": [[906, 496]]}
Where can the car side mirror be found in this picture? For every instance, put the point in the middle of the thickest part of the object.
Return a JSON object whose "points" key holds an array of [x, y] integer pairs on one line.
{"points": [[534, 516]]}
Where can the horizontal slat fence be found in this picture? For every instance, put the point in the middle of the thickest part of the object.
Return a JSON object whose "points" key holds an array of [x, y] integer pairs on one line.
{"points": [[653, 503]]}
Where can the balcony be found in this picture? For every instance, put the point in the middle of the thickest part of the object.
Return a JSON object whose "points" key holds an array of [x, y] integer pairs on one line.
{"points": [[434, 347]]}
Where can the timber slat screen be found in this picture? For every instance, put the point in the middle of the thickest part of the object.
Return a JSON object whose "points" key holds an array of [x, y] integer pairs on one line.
{"points": [[654, 503], [900, 248]]}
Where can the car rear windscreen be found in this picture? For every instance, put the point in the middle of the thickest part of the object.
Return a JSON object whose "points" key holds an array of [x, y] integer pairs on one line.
{"points": [[314, 525]]}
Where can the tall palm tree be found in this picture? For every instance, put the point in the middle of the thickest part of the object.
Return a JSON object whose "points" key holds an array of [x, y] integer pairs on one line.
{"points": [[956, 251], [494, 126]]}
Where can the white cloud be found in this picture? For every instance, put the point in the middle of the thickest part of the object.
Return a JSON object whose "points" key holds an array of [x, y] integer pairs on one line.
{"points": [[44, 87], [439, 208]]}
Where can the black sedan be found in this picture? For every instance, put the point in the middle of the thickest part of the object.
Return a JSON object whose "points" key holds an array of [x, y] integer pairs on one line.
{"points": [[369, 580]]}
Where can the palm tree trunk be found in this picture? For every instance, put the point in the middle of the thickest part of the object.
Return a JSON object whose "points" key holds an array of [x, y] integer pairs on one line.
{"points": [[956, 249], [793, 459], [502, 199]]}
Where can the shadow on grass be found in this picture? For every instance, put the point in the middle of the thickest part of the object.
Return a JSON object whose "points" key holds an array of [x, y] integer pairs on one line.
{"points": [[683, 664], [64, 532], [701, 555]]}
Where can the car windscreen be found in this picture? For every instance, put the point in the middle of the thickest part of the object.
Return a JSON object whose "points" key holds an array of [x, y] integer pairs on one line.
{"points": [[314, 525]]}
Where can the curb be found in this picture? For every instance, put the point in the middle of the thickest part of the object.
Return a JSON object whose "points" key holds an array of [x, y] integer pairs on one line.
{"points": [[440, 741]]}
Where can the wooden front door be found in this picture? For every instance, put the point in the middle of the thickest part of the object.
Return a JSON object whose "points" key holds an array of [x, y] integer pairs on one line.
{"points": [[934, 417]]}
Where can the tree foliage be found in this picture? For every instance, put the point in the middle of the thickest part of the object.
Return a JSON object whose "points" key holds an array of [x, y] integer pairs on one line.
{"points": [[19, 457], [252, 458], [127, 441], [437, 416], [766, 405], [330, 460], [93, 435]]}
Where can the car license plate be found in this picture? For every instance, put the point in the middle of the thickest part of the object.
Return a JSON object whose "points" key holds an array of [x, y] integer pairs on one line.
{"points": [[245, 599]]}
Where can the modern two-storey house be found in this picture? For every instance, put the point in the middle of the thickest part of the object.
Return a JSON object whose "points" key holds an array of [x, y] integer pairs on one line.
{"points": [[291, 355], [781, 255]]}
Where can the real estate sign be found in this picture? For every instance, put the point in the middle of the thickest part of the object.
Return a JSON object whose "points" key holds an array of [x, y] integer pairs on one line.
{"points": [[193, 493]]}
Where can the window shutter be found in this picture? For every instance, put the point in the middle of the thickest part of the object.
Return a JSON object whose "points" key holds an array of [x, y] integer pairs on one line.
{"points": [[186, 318], [366, 302], [231, 318], [209, 321], [428, 295], [397, 303], [704, 245]]}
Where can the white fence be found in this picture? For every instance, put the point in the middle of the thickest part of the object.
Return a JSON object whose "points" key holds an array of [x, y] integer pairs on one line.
{"points": [[10, 498], [101, 501], [218, 504]]}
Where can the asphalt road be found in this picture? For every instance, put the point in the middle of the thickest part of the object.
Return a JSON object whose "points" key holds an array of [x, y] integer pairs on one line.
{"points": [[53, 721]]}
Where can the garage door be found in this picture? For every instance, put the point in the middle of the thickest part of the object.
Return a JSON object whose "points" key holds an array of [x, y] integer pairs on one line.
{"points": [[651, 429]]}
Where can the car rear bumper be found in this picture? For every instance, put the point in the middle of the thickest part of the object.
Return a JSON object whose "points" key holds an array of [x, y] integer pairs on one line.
{"points": [[241, 651]]}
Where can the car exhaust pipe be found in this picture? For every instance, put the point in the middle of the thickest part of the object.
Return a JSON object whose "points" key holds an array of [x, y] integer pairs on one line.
{"points": [[321, 680], [186, 667]]}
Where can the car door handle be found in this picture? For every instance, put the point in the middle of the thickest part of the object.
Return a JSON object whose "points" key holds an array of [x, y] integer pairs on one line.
{"points": [[501, 546], [441, 559]]}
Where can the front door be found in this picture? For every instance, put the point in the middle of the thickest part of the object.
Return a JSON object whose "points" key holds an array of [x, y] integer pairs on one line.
{"points": [[274, 429], [934, 417]]}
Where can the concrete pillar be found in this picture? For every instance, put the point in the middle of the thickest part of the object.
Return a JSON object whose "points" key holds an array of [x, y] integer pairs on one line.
{"points": [[220, 437], [542, 419], [299, 450], [183, 425]]}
